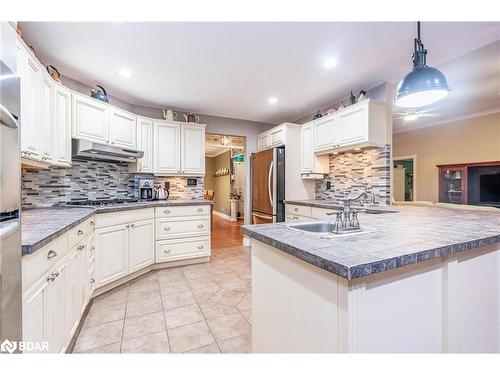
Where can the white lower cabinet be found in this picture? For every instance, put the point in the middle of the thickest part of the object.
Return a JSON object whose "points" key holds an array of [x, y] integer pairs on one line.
{"points": [[178, 249], [141, 244], [112, 254]]}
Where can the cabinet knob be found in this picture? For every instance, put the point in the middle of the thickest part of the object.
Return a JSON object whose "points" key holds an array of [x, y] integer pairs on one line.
{"points": [[200, 210], [51, 254], [200, 247], [166, 228], [81, 247], [127, 226], [167, 251], [295, 209], [92, 247], [80, 232], [200, 226], [92, 222], [167, 211], [132, 225], [92, 281]]}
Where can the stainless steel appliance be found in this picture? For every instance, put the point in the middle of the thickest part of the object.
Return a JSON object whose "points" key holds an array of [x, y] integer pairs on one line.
{"points": [[268, 186], [146, 188], [84, 149], [160, 192], [10, 199]]}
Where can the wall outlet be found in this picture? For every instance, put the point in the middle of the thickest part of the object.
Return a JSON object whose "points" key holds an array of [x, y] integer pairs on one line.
{"points": [[328, 185]]}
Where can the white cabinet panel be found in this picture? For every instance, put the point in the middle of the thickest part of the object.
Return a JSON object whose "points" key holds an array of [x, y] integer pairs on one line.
{"points": [[307, 148], [54, 311], [182, 227], [145, 144], [353, 125], [70, 290], [167, 143], [171, 250], [263, 142], [90, 119], [277, 137], [193, 149], [62, 123], [141, 244], [326, 133], [122, 126], [47, 125], [112, 254], [33, 312]]}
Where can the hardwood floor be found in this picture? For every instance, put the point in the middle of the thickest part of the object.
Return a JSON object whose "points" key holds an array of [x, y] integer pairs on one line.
{"points": [[226, 233]]}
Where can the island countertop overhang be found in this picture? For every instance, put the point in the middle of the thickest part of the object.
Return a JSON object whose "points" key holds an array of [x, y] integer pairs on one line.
{"points": [[412, 235]]}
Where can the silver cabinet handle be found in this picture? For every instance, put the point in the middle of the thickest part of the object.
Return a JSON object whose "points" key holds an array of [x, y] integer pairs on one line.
{"points": [[200, 209], [166, 228], [167, 211], [167, 251], [92, 222], [127, 226], [200, 226], [92, 247], [200, 247], [92, 281], [81, 247], [51, 254], [132, 225], [80, 232]]}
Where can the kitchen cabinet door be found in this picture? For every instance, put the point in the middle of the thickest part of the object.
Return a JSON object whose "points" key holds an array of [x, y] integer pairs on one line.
{"points": [[167, 148], [33, 312], [145, 144], [141, 244], [326, 133], [71, 316], [122, 127], [354, 125], [81, 267], [263, 142], [193, 150], [54, 310], [62, 123], [90, 119], [29, 70], [112, 253], [277, 137], [47, 123], [307, 151]]}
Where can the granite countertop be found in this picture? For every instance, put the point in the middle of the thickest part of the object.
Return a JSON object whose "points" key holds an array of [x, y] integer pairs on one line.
{"points": [[39, 226], [413, 234], [368, 208], [159, 203]]}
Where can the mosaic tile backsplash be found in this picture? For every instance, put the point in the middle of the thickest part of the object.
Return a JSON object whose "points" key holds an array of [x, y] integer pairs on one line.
{"points": [[372, 165], [92, 180]]}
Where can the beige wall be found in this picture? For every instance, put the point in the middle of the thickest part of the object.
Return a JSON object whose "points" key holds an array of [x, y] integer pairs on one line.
{"points": [[472, 140], [222, 184], [208, 182]]}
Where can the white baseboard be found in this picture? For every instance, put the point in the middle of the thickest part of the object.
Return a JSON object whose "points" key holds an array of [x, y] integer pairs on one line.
{"points": [[224, 216]]}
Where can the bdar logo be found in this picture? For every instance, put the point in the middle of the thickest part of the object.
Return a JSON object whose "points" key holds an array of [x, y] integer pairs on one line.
{"points": [[8, 346]]}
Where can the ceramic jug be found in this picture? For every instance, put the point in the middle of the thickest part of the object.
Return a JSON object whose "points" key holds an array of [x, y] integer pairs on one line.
{"points": [[191, 118], [169, 115]]}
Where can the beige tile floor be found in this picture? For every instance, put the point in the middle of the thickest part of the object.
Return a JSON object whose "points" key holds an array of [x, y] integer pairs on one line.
{"points": [[204, 308]]}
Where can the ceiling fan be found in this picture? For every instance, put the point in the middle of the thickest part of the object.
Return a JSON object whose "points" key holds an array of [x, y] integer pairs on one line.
{"points": [[412, 115]]}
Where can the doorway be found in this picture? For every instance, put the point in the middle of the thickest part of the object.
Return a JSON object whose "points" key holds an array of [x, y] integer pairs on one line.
{"points": [[404, 178]]}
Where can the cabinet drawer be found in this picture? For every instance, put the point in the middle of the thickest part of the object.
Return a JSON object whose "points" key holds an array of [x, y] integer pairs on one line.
{"points": [[79, 232], [170, 250], [296, 218], [176, 211], [37, 264], [109, 219], [182, 227], [298, 210]]}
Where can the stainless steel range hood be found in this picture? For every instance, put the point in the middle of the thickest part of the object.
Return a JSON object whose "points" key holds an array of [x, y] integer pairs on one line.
{"points": [[83, 149]]}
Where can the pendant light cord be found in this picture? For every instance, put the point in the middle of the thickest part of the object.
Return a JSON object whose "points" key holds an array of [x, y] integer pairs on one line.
{"points": [[419, 56]]}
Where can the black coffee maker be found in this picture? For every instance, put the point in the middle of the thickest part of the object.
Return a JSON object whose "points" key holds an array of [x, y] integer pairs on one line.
{"points": [[146, 188]]}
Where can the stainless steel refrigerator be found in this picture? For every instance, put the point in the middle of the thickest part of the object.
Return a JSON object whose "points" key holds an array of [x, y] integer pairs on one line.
{"points": [[268, 186], [10, 196]]}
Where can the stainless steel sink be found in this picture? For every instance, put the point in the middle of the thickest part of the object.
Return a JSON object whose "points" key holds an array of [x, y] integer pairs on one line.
{"points": [[321, 229]]}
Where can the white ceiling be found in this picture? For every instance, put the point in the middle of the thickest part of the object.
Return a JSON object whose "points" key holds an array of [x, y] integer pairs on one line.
{"points": [[230, 69]]}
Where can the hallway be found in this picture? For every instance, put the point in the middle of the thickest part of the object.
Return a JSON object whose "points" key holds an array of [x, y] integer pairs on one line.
{"points": [[226, 233]]}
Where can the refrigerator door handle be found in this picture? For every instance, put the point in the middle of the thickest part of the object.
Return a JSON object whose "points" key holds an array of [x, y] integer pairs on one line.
{"points": [[269, 183]]}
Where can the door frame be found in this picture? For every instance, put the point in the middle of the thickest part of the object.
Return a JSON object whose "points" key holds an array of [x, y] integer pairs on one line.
{"points": [[414, 158]]}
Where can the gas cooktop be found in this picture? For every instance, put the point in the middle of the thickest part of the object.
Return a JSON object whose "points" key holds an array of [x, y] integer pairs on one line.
{"points": [[106, 202]]}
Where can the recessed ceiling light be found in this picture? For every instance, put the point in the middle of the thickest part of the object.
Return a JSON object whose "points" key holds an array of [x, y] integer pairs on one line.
{"points": [[272, 100], [411, 116], [125, 73], [330, 63]]}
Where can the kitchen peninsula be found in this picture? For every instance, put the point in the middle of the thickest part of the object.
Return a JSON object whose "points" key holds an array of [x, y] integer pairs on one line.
{"points": [[424, 279]]}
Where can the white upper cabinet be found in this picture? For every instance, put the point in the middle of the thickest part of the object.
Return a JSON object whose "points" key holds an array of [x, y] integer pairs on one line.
{"points": [[352, 125], [122, 127], [167, 147], [142, 244], [263, 142], [307, 152], [47, 123], [145, 144], [90, 119], [326, 133], [277, 136], [62, 123], [193, 149]]}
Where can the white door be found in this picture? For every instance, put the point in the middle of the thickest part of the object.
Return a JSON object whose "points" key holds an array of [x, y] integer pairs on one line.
{"points": [[112, 253], [33, 312], [306, 141], [62, 123], [70, 291], [193, 149], [263, 142], [326, 133], [122, 126], [354, 125], [47, 123], [54, 310], [90, 119], [141, 244], [145, 144], [166, 150], [29, 70]]}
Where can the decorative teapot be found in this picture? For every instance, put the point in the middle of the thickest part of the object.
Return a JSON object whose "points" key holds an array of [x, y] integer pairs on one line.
{"points": [[191, 118], [169, 115], [99, 93]]}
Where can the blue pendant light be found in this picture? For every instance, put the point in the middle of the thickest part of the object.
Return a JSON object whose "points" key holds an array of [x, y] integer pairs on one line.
{"points": [[423, 85]]}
